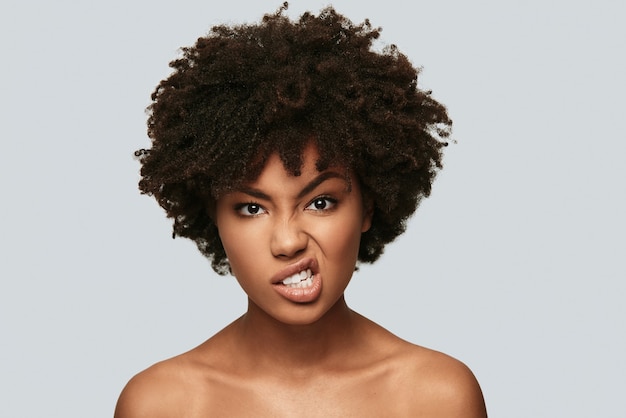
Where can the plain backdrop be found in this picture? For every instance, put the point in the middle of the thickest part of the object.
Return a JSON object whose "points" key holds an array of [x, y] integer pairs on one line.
{"points": [[515, 265]]}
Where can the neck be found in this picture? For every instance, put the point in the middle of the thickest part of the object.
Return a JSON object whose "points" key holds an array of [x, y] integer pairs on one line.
{"points": [[322, 344]]}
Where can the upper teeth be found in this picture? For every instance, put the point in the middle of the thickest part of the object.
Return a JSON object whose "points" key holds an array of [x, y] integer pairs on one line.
{"points": [[298, 277]]}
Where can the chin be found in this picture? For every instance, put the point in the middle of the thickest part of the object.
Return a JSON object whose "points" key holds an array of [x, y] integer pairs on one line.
{"points": [[299, 315]]}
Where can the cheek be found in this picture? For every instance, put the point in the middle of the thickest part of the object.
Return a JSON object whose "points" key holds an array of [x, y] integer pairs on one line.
{"points": [[341, 240], [238, 246]]}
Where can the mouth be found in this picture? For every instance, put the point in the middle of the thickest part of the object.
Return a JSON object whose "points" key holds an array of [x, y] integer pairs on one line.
{"points": [[299, 274], [299, 280]]}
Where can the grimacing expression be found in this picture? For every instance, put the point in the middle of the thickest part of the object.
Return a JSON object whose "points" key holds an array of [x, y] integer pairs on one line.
{"points": [[244, 90], [293, 241]]}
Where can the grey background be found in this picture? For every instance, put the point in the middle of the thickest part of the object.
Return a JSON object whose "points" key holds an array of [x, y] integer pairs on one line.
{"points": [[515, 265]]}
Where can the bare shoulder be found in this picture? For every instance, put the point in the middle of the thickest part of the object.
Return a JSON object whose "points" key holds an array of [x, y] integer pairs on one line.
{"points": [[180, 386], [439, 385], [191, 384], [153, 392]]}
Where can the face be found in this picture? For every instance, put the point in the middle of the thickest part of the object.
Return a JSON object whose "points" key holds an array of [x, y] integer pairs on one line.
{"points": [[293, 241]]}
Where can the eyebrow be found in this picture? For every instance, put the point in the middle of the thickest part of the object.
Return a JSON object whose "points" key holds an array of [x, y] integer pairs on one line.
{"points": [[326, 175]]}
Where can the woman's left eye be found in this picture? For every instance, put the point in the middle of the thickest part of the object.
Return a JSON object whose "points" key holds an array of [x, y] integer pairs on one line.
{"points": [[321, 203]]}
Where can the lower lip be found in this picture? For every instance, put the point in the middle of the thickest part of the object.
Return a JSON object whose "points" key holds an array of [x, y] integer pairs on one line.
{"points": [[301, 294]]}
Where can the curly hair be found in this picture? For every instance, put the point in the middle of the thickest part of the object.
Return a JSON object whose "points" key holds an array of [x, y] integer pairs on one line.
{"points": [[244, 92]]}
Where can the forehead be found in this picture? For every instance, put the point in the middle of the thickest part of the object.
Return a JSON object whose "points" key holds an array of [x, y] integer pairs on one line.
{"points": [[292, 159], [295, 159], [274, 172]]}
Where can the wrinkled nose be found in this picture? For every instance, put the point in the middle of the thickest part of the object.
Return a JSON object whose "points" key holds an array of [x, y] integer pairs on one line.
{"points": [[288, 239]]}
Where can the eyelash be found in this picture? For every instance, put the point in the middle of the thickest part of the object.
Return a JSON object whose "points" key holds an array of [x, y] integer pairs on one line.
{"points": [[254, 209], [248, 205], [329, 201]]}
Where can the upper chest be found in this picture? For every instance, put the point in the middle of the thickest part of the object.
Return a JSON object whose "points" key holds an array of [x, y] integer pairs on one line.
{"points": [[370, 393]]}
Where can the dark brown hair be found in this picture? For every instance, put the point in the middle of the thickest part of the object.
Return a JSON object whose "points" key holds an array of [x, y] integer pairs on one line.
{"points": [[244, 92]]}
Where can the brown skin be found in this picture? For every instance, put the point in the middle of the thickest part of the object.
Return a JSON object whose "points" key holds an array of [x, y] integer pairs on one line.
{"points": [[314, 359], [244, 92]]}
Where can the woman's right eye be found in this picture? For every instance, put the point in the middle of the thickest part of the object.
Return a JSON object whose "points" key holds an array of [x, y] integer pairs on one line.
{"points": [[250, 209]]}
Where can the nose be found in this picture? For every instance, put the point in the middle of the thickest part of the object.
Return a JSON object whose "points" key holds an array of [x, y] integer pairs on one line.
{"points": [[288, 239]]}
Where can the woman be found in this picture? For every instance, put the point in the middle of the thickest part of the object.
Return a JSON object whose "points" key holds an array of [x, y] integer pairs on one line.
{"points": [[290, 151]]}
